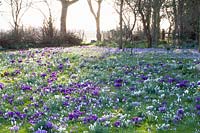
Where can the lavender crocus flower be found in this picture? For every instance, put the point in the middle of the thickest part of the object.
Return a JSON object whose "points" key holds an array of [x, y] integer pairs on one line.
{"points": [[43, 75], [197, 107], [1, 85], [40, 131], [118, 83], [14, 128], [26, 87], [117, 124], [162, 109], [136, 120], [49, 125]]}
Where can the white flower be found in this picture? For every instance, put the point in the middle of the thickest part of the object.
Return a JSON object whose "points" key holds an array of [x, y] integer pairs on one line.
{"points": [[149, 107]]}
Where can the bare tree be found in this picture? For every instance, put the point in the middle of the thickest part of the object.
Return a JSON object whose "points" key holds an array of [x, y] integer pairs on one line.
{"points": [[131, 8], [144, 9], [121, 24], [96, 16], [18, 9], [198, 26], [65, 5], [156, 6], [48, 29], [127, 16]]}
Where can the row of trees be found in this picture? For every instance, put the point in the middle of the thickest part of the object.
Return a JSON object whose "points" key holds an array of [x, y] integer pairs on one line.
{"points": [[183, 16]]}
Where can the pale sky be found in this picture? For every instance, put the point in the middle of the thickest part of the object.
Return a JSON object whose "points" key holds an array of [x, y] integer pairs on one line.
{"points": [[79, 16]]}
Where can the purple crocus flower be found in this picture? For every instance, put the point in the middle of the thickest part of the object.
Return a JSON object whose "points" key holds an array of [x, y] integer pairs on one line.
{"points": [[26, 87], [136, 120], [12, 61], [95, 92], [14, 128], [93, 117], [71, 116], [132, 88], [197, 99], [10, 114], [117, 124], [86, 120], [162, 109], [40, 131], [53, 75], [119, 80], [43, 75], [49, 125], [180, 112], [117, 85], [60, 66], [176, 119], [22, 116], [144, 77], [20, 60], [6, 73], [90, 118], [17, 71], [182, 84], [171, 80], [197, 107], [1, 85]]}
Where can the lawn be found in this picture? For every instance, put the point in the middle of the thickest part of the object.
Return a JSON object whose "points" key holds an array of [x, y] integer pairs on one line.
{"points": [[99, 90]]}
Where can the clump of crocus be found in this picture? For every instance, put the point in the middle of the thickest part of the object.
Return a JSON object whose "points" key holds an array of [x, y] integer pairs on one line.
{"points": [[43, 75], [162, 109], [90, 118], [183, 84], [197, 107], [26, 87], [118, 83], [40, 131], [117, 123], [179, 115], [14, 128], [136, 120]]}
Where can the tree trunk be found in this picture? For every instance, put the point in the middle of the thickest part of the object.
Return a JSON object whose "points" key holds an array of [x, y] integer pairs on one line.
{"points": [[63, 20], [65, 5], [97, 17], [199, 39], [175, 32], [146, 19], [121, 24], [154, 28], [199, 29], [98, 34], [149, 41], [155, 24], [180, 21]]}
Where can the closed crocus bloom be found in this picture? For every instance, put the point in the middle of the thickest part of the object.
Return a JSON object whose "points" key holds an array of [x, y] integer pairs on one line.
{"points": [[1, 85]]}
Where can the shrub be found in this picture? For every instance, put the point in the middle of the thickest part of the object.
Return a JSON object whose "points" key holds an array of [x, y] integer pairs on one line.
{"points": [[33, 38]]}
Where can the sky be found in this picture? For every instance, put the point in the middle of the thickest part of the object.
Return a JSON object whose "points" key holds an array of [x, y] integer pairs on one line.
{"points": [[79, 17]]}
